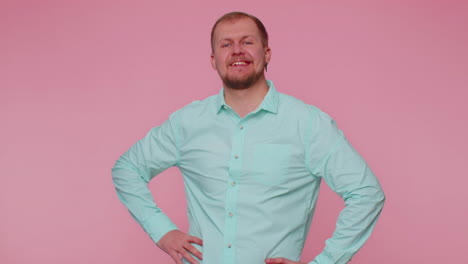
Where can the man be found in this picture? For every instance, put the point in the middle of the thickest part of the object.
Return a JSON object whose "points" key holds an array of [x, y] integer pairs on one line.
{"points": [[252, 160]]}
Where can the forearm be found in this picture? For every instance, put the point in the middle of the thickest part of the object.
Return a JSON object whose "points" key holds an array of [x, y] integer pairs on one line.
{"points": [[133, 192], [350, 177], [354, 226], [135, 168]]}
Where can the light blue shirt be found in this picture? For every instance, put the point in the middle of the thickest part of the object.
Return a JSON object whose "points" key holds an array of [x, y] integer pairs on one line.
{"points": [[252, 183]]}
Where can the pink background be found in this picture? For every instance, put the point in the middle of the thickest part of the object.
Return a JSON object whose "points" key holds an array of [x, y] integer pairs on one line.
{"points": [[80, 81]]}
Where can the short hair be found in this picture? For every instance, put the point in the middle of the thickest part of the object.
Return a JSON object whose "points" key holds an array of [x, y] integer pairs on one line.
{"points": [[238, 15]]}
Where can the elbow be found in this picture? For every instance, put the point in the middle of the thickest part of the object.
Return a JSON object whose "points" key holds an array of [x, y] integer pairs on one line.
{"points": [[380, 198], [116, 171], [372, 195]]}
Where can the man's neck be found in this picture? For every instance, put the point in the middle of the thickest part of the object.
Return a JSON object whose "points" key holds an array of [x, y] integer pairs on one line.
{"points": [[245, 101]]}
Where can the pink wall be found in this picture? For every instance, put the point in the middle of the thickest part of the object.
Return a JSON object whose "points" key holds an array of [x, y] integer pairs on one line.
{"points": [[80, 82]]}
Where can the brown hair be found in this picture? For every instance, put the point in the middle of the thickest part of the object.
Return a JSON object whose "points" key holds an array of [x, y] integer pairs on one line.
{"points": [[238, 15]]}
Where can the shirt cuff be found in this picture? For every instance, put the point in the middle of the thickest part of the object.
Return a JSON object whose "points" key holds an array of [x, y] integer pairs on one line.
{"points": [[323, 259], [157, 226]]}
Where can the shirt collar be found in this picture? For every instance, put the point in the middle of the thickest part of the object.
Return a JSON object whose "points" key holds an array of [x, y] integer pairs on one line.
{"points": [[269, 103]]}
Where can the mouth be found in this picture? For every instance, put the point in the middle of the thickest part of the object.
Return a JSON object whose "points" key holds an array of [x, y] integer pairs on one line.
{"points": [[240, 63]]}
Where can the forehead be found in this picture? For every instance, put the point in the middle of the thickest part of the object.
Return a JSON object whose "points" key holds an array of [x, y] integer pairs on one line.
{"points": [[236, 28]]}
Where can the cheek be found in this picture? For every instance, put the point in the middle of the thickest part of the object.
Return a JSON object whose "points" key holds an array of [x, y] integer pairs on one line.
{"points": [[220, 66], [220, 60], [259, 55], [220, 63]]}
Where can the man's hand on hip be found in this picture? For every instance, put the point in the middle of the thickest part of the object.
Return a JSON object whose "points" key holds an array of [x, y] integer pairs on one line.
{"points": [[178, 244], [281, 261]]}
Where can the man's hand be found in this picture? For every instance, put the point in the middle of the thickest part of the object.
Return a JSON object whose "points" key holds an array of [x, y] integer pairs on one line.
{"points": [[178, 244], [281, 261]]}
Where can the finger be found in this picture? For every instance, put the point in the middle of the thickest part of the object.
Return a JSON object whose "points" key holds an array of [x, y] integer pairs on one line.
{"points": [[190, 248], [175, 257], [188, 257], [276, 261], [195, 240]]}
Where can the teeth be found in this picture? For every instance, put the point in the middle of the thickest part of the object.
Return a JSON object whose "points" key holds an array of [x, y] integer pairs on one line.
{"points": [[239, 63]]}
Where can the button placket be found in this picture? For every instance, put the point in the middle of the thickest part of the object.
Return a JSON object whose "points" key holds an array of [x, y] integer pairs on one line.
{"points": [[235, 168]]}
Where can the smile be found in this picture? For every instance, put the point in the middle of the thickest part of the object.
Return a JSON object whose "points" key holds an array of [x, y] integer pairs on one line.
{"points": [[240, 63]]}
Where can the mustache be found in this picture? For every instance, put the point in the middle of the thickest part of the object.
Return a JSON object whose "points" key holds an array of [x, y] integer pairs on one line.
{"points": [[239, 58]]}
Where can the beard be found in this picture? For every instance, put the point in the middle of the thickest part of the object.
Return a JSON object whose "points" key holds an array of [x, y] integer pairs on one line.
{"points": [[243, 82]]}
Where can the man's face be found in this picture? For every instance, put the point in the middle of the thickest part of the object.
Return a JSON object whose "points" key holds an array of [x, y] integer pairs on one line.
{"points": [[238, 53]]}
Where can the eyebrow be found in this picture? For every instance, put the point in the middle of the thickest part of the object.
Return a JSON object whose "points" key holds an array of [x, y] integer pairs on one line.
{"points": [[244, 37]]}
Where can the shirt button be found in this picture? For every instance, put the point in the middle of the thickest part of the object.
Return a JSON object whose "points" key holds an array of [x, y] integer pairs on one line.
{"points": [[231, 214], [233, 183], [229, 245], [236, 156], [241, 127]]}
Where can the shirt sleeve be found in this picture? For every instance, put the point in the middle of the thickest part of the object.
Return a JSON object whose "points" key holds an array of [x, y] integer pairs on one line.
{"points": [[332, 158], [151, 155]]}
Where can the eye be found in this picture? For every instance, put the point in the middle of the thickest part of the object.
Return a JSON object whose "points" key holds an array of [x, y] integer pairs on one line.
{"points": [[224, 45], [248, 42]]}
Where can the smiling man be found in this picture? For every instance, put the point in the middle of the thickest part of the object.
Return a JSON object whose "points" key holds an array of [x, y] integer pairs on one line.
{"points": [[252, 160]]}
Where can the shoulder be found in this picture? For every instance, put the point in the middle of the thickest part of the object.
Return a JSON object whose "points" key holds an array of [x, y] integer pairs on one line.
{"points": [[291, 105], [305, 115], [196, 109]]}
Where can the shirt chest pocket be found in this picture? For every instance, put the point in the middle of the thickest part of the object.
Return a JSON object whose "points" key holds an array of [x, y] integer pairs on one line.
{"points": [[270, 164]]}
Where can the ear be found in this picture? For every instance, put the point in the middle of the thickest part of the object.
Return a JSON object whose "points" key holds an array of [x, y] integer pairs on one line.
{"points": [[213, 61], [267, 54]]}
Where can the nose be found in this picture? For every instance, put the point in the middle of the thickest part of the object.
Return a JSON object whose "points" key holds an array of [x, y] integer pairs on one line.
{"points": [[237, 49]]}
